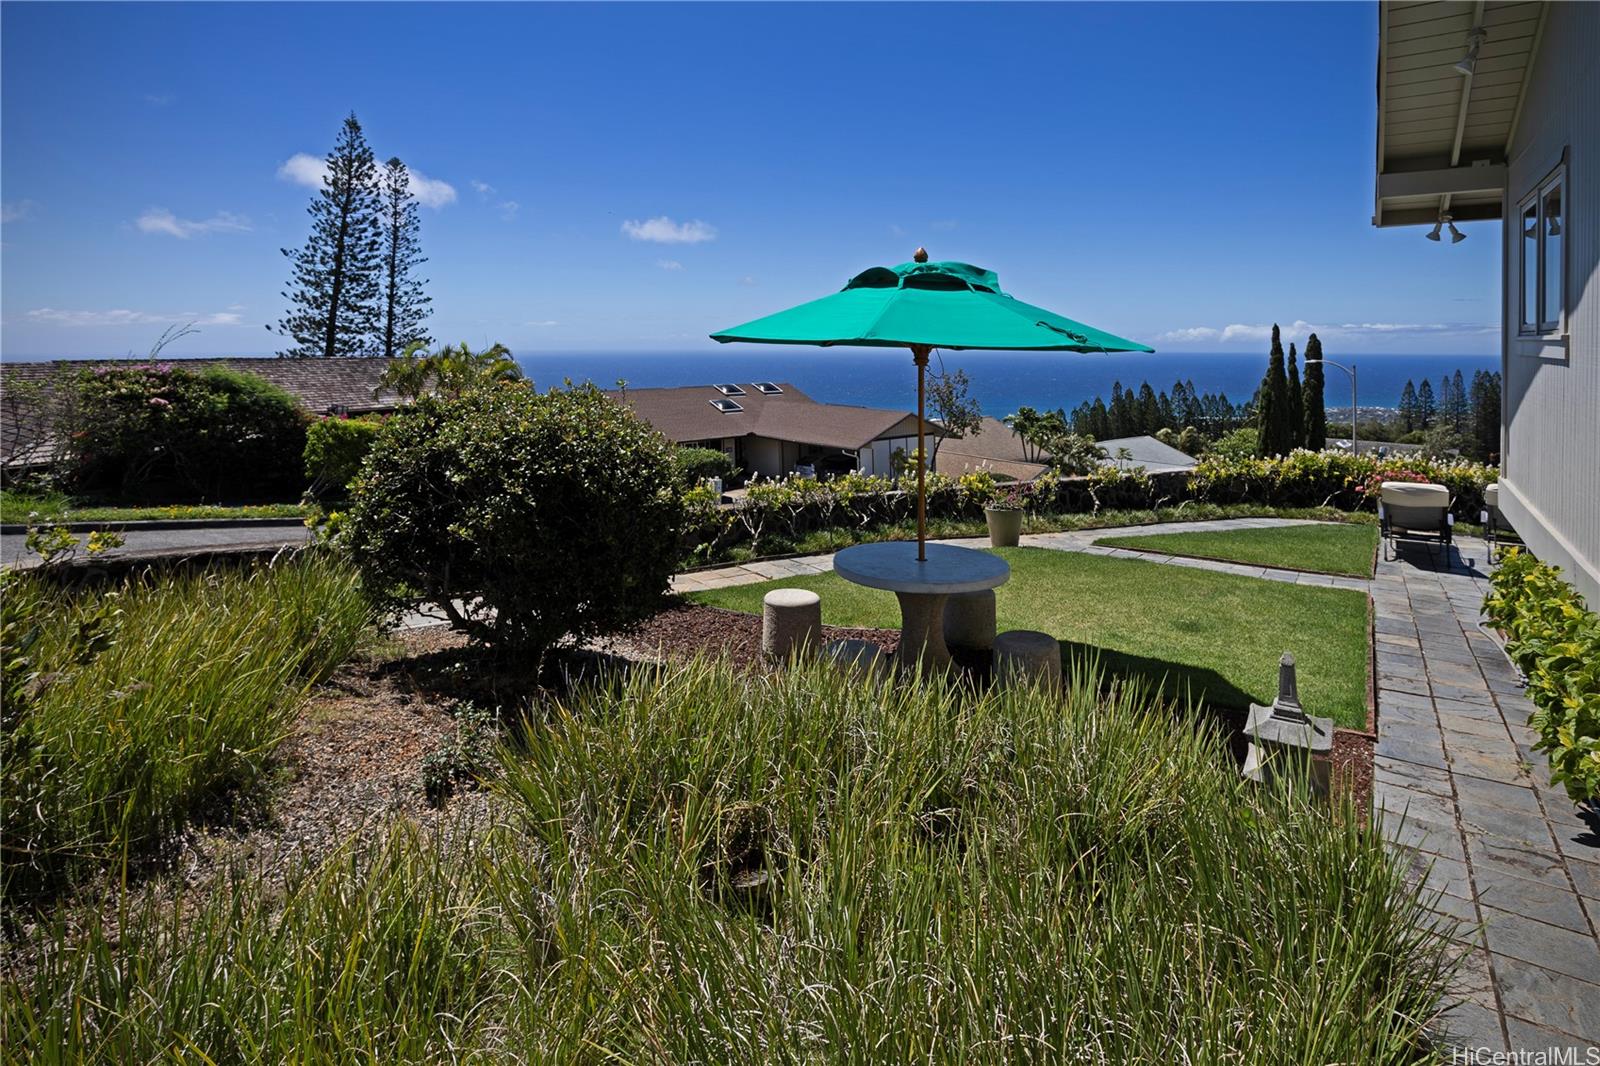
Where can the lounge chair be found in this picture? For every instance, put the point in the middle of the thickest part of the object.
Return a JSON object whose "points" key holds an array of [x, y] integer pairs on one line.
{"points": [[1413, 512], [1495, 526]]}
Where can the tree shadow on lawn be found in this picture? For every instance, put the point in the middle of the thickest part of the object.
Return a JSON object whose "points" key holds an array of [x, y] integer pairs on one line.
{"points": [[1176, 685]]}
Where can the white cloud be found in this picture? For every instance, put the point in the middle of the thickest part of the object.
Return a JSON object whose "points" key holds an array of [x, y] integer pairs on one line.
{"points": [[309, 170], [160, 220], [943, 224], [16, 210], [489, 194], [669, 264], [543, 325], [431, 192], [665, 231], [304, 169], [159, 99], [1298, 330], [125, 317], [748, 279]]}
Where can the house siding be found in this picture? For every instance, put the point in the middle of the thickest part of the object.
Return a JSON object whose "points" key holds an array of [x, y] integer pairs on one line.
{"points": [[1550, 478]]}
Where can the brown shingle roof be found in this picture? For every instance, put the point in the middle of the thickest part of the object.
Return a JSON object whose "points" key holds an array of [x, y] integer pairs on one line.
{"points": [[319, 385], [993, 448], [686, 414]]}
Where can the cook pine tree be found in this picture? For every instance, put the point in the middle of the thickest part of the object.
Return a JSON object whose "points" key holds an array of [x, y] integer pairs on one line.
{"points": [[404, 304], [334, 285]]}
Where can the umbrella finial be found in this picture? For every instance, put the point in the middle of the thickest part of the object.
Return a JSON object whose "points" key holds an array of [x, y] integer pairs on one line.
{"points": [[920, 256]]}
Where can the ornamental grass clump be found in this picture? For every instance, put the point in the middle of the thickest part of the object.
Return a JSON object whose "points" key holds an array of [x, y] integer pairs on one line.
{"points": [[130, 711], [695, 864]]}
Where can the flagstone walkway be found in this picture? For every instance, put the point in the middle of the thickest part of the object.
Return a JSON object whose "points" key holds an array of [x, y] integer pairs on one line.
{"points": [[1457, 788]]}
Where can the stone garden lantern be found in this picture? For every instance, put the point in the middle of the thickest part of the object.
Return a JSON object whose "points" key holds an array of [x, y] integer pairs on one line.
{"points": [[1284, 735]]}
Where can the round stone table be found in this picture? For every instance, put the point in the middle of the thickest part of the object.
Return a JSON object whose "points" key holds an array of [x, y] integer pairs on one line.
{"points": [[921, 587]]}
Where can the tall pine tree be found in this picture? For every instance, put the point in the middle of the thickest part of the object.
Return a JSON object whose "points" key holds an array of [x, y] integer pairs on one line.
{"points": [[1297, 405], [1409, 407], [1458, 408], [1427, 406], [1273, 436], [334, 284], [405, 305], [1316, 415], [1485, 437]]}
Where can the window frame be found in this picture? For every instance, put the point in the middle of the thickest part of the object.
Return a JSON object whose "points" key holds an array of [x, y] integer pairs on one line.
{"points": [[1531, 323]]}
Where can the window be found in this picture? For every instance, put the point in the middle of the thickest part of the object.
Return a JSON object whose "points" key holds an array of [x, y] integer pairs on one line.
{"points": [[727, 407], [767, 388], [729, 390], [1541, 259]]}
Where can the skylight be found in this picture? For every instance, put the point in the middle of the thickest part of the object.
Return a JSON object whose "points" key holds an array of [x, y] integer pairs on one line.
{"points": [[729, 390], [767, 388], [727, 407]]}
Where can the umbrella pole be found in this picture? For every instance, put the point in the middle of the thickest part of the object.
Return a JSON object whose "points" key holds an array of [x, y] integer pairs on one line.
{"points": [[920, 354]]}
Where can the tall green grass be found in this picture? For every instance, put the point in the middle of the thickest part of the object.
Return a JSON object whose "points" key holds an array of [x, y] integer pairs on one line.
{"points": [[131, 710], [694, 865]]}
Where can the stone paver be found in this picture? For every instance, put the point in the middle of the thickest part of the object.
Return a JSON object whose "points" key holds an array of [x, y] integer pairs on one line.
{"points": [[1457, 789]]}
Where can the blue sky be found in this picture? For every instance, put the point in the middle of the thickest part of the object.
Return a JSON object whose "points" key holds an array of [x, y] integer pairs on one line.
{"points": [[614, 177]]}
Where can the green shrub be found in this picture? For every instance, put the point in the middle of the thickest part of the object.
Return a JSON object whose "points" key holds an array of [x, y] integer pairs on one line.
{"points": [[523, 517], [701, 865], [127, 711], [335, 449], [1237, 444], [694, 465], [1349, 482], [1555, 641], [158, 432]]}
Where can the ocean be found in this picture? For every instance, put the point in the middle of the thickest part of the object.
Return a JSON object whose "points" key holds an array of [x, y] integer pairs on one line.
{"points": [[1001, 381]]}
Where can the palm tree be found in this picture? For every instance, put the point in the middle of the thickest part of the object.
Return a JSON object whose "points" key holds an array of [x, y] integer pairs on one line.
{"points": [[449, 372]]}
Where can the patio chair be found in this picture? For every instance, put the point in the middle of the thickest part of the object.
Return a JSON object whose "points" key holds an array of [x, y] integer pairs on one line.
{"points": [[1495, 526], [1411, 511]]}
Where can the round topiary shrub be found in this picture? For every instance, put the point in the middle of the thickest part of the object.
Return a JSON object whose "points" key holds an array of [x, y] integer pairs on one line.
{"points": [[523, 517]]}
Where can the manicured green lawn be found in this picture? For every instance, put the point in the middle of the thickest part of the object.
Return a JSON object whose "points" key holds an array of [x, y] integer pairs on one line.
{"points": [[55, 507], [1327, 548], [1216, 635]]}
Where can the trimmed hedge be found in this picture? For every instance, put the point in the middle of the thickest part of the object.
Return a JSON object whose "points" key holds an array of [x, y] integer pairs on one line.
{"points": [[788, 509], [1555, 640], [161, 433], [335, 449]]}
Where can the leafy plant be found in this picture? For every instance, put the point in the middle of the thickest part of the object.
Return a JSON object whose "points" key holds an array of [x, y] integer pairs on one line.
{"points": [[523, 517], [465, 755], [695, 465], [450, 372], [335, 449], [1555, 640], [160, 431]]}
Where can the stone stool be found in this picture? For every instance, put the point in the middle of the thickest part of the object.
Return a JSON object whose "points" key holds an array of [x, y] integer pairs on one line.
{"points": [[1024, 656], [860, 657], [790, 619], [969, 620]]}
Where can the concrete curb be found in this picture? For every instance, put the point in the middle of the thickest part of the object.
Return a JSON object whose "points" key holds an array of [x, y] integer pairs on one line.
{"points": [[159, 524]]}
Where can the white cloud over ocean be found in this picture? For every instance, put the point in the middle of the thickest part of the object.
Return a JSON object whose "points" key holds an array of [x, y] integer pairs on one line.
{"points": [[160, 220], [309, 170], [663, 230]]}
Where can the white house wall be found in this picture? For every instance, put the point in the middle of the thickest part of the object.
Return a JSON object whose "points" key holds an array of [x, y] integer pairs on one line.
{"points": [[1550, 481]]}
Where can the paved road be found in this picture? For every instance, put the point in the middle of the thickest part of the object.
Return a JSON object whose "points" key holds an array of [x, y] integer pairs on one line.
{"points": [[163, 541]]}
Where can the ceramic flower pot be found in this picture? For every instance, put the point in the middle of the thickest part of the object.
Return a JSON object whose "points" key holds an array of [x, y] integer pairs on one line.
{"points": [[1005, 526]]}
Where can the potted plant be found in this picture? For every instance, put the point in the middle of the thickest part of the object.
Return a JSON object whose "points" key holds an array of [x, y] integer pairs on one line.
{"points": [[1004, 515]]}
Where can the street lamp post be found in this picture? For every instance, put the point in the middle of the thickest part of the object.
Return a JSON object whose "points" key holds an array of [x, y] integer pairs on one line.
{"points": [[1351, 370]]}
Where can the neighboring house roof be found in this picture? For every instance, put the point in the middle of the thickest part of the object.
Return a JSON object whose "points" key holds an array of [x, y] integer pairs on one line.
{"points": [[993, 447], [1149, 453], [688, 413], [319, 385], [1444, 133]]}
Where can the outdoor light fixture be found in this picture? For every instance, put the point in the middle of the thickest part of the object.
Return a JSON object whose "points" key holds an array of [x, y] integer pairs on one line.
{"points": [[1456, 236], [1433, 234], [1469, 62]]}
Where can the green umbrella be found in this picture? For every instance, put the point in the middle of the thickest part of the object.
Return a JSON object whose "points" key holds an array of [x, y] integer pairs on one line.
{"points": [[922, 306]]}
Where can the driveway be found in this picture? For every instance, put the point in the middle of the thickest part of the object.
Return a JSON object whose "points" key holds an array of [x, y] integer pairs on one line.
{"points": [[156, 542]]}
